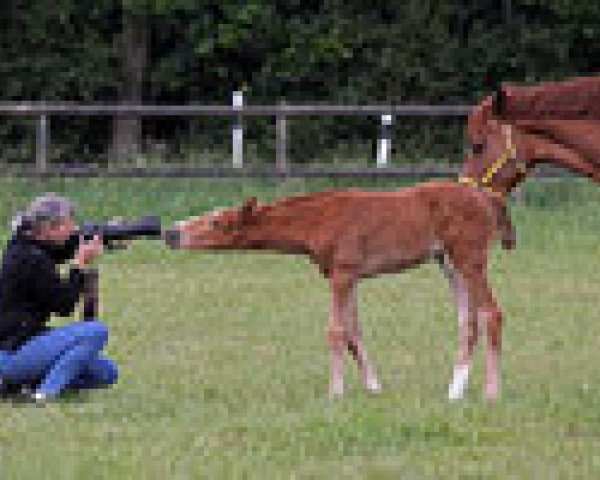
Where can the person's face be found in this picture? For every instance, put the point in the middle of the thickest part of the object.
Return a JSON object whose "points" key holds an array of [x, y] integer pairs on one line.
{"points": [[57, 231]]}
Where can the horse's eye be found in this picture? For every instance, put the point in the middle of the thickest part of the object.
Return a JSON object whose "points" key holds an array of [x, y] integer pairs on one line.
{"points": [[213, 223], [477, 148]]}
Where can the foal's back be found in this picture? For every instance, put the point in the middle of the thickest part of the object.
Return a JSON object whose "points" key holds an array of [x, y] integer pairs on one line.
{"points": [[380, 232]]}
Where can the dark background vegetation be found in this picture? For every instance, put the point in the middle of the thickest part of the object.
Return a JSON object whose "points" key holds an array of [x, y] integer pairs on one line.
{"points": [[351, 51]]}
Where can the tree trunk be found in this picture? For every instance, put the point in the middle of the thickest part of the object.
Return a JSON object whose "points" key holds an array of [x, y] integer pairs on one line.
{"points": [[132, 44], [507, 12]]}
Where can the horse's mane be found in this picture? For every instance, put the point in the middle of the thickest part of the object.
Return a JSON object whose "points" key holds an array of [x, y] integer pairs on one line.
{"points": [[569, 100], [297, 205]]}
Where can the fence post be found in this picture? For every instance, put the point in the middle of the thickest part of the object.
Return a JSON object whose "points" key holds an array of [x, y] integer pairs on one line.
{"points": [[384, 146], [281, 143], [237, 133], [41, 144]]}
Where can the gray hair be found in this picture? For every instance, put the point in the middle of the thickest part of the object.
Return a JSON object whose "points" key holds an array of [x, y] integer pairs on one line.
{"points": [[48, 207]]}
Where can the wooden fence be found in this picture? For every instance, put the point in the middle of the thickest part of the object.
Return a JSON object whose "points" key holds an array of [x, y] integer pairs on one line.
{"points": [[237, 111]]}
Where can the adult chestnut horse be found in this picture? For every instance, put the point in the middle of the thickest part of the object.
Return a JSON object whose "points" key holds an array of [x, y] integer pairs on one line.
{"points": [[518, 127], [353, 234]]}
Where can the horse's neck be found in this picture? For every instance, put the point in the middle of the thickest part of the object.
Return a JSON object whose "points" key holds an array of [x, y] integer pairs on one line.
{"points": [[572, 145], [289, 226]]}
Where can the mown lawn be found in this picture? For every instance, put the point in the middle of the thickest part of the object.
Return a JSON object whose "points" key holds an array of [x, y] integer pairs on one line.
{"points": [[224, 357]]}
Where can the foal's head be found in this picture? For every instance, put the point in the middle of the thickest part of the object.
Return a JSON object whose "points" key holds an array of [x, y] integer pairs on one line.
{"points": [[221, 229]]}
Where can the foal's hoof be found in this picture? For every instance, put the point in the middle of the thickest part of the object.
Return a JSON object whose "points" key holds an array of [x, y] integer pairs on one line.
{"points": [[491, 393], [373, 386], [336, 391], [333, 396], [454, 396], [509, 244], [509, 241]]}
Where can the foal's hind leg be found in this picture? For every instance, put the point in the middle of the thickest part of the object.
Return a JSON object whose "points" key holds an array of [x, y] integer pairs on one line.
{"points": [[467, 328], [356, 346], [342, 285]]}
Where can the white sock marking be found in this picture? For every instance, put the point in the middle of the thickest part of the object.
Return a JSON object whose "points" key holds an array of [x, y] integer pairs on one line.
{"points": [[459, 382]]}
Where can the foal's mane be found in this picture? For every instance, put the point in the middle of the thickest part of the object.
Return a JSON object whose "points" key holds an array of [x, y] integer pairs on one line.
{"points": [[306, 205]]}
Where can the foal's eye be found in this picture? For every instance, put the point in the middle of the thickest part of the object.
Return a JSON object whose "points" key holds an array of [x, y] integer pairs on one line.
{"points": [[477, 148], [215, 224]]}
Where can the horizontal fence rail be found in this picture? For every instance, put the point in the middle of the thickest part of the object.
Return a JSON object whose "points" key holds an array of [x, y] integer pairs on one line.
{"points": [[10, 108], [44, 111], [254, 171]]}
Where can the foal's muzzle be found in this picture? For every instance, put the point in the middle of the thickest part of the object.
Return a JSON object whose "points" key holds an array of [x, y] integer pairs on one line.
{"points": [[173, 238]]}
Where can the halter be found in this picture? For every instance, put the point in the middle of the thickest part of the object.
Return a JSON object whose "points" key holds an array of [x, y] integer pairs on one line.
{"points": [[509, 154]]}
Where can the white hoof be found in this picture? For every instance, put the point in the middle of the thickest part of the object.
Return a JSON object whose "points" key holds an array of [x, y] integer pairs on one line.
{"points": [[454, 394], [492, 391], [373, 386], [458, 386], [336, 391]]}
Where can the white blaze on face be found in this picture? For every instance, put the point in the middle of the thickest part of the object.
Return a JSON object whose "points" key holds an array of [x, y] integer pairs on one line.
{"points": [[189, 224], [198, 225], [181, 224]]}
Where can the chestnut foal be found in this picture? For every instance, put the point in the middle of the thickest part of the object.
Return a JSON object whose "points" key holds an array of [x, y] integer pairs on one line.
{"points": [[353, 234]]}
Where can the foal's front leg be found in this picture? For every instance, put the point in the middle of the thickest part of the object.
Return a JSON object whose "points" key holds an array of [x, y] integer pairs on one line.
{"points": [[482, 306], [468, 333], [357, 348], [341, 286]]}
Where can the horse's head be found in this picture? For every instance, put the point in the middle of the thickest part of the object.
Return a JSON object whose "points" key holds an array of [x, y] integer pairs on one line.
{"points": [[220, 229], [495, 162]]}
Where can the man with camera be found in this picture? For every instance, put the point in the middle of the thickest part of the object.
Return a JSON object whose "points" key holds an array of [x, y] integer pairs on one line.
{"points": [[38, 360]]}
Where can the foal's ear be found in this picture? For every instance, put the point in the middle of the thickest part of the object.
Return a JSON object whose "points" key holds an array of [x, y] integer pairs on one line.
{"points": [[248, 210], [498, 101]]}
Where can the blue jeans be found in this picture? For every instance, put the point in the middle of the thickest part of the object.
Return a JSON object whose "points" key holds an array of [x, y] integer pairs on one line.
{"points": [[64, 357]]}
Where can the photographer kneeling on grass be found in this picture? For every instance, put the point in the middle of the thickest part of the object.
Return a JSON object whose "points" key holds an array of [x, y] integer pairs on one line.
{"points": [[37, 360]]}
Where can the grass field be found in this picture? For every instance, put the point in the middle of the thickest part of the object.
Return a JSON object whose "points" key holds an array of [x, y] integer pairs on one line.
{"points": [[224, 358]]}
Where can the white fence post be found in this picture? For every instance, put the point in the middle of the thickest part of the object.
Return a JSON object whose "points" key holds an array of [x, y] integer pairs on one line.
{"points": [[41, 144], [237, 133], [281, 143], [384, 147]]}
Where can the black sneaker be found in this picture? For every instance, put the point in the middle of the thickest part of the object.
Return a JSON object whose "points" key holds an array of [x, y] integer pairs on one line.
{"points": [[27, 397], [8, 389], [21, 393]]}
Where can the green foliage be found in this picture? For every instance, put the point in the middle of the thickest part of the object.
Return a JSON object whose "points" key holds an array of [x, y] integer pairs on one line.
{"points": [[348, 52]]}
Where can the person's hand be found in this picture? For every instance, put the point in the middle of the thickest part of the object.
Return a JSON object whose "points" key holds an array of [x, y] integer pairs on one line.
{"points": [[88, 250]]}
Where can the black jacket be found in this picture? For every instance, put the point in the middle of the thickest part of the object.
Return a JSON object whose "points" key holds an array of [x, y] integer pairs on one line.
{"points": [[31, 288]]}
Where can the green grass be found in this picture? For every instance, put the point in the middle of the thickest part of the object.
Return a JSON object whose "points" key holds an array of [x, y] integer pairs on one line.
{"points": [[224, 357]]}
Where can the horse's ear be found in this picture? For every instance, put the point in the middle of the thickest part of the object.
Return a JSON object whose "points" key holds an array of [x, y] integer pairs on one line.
{"points": [[498, 101]]}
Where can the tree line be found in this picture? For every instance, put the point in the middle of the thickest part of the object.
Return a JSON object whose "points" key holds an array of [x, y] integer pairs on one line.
{"points": [[338, 51]]}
